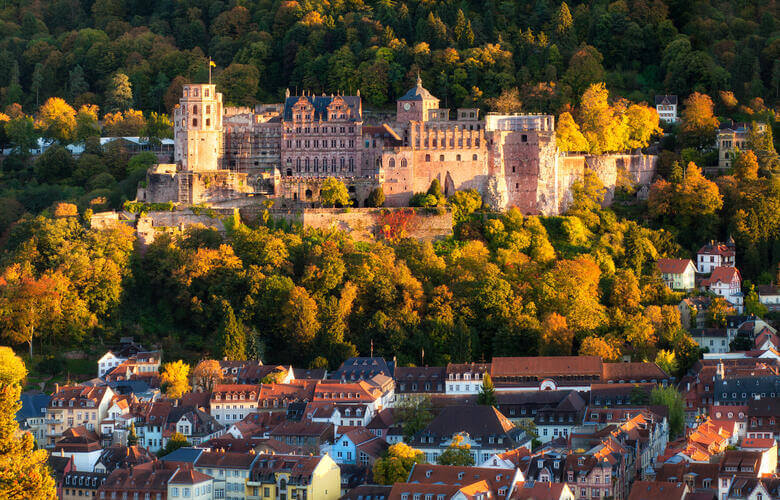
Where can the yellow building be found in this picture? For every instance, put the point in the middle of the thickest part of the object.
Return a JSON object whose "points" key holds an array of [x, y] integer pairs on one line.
{"points": [[293, 477]]}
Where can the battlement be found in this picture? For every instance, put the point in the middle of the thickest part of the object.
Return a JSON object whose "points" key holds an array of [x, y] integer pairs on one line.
{"points": [[519, 122]]}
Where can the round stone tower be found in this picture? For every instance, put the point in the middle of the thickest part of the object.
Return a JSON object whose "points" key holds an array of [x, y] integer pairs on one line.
{"points": [[197, 128]]}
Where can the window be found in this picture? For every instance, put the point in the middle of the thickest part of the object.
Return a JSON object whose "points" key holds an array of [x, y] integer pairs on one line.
{"points": [[474, 157], [427, 157], [441, 157]]}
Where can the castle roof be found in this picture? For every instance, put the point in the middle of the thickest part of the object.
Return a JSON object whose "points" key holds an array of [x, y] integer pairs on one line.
{"points": [[321, 103], [418, 93]]}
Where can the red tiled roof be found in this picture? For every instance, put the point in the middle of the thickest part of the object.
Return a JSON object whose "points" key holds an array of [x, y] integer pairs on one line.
{"points": [[673, 266], [189, 476], [633, 371], [716, 249], [758, 443], [723, 275], [657, 490], [538, 490], [544, 366]]}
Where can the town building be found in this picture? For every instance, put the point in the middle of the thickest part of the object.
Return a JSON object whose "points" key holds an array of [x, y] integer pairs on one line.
{"points": [[727, 283], [733, 137], [483, 428], [657, 490], [420, 380], [81, 444], [715, 254], [32, 415], [358, 446], [232, 402], [78, 405], [666, 106], [465, 378], [81, 484], [190, 484], [769, 296], [294, 477], [229, 470], [712, 339], [678, 274]]}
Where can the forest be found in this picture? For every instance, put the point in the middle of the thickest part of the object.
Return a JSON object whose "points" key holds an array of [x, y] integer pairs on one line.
{"points": [[94, 51]]}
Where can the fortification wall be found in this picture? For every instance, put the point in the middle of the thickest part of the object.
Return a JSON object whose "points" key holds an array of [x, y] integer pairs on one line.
{"points": [[367, 224]]}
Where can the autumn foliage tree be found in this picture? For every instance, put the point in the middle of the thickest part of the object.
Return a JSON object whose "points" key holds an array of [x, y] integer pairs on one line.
{"points": [[175, 379], [699, 124], [24, 470], [57, 120], [207, 374], [395, 465]]}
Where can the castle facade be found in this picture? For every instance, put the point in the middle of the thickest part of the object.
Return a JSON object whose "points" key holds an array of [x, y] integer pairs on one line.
{"points": [[232, 156]]}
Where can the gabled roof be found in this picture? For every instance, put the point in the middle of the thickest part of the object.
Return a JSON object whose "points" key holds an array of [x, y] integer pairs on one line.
{"points": [[674, 266], [225, 460], [189, 476], [321, 103], [723, 275], [633, 371], [666, 99], [537, 490], [33, 405], [716, 249], [764, 290], [477, 421]]}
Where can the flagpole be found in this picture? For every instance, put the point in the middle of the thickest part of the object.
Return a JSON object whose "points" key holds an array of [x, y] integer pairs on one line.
{"points": [[210, 70]]}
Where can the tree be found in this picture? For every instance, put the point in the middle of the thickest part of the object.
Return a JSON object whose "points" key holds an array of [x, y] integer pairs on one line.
{"points": [[699, 124], [641, 336], [87, 124], [463, 32], [397, 463], [28, 304], [568, 135], [557, 338], [176, 441], [334, 193], [232, 336], [487, 392], [667, 361], [299, 322], [413, 413], [57, 119], [207, 374], [77, 83], [158, 126], [21, 132], [457, 453], [175, 379], [601, 347], [672, 399], [753, 305], [506, 103], [119, 95], [603, 127], [37, 81], [376, 198], [745, 166], [464, 203], [642, 123], [24, 470], [718, 311], [563, 19], [239, 83], [584, 69], [132, 438], [625, 291]]}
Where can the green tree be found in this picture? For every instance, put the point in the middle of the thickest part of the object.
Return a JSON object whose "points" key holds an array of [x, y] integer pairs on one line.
{"points": [[334, 193], [232, 336], [464, 203], [753, 305], [376, 198], [672, 399], [487, 392], [585, 68], [239, 84], [21, 132], [24, 470], [397, 463], [119, 94], [158, 126], [457, 453], [414, 414]]}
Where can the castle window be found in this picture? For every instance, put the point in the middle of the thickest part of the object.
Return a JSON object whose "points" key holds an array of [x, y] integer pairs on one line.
{"points": [[316, 161], [441, 157], [513, 170], [524, 138], [308, 194], [403, 162], [194, 122], [427, 157], [391, 163], [206, 93], [457, 157], [351, 165], [195, 109], [289, 172], [208, 107], [208, 122], [195, 92]]}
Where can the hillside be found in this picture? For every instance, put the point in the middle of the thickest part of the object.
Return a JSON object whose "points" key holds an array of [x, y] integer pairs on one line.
{"points": [[467, 51]]}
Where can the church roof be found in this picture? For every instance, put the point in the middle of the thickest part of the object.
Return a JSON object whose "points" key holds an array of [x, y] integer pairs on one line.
{"points": [[418, 93]]}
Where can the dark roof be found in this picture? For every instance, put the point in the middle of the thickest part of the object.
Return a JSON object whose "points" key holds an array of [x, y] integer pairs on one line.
{"points": [[185, 454], [417, 93], [665, 99], [299, 467], [709, 332], [225, 460], [362, 368], [321, 104], [309, 373], [368, 492], [83, 480], [477, 421], [656, 490], [768, 289], [134, 386], [124, 456], [33, 405]]}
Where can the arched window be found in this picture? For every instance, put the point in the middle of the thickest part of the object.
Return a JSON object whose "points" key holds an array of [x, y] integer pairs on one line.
{"points": [[403, 162], [308, 194], [391, 163], [194, 122]]}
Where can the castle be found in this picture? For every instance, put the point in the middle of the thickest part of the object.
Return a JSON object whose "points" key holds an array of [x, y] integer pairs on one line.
{"points": [[238, 156]]}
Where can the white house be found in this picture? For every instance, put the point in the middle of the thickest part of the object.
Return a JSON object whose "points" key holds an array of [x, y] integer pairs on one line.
{"points": [[190, 484], [108, 362], [712, 339], [769, 295], [465, 378], [666, 105], [726, 282], [358, 446], [714, 254], [678, 274]]}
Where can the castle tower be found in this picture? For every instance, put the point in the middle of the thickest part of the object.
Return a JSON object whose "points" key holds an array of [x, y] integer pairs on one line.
{"points": [[415, 104], [197, 129]]}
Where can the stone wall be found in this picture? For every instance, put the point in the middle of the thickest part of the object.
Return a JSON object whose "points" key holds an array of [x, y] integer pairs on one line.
{"points": [[366, 224]]}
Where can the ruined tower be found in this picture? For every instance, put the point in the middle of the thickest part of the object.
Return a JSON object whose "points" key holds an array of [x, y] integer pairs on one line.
{"points": [[198, 128]]}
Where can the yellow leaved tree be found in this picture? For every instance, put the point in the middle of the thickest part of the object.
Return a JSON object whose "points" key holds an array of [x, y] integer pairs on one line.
{"points": [[175, 378], [24, 471]]}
